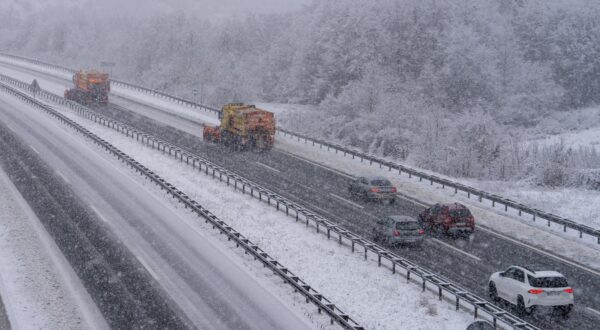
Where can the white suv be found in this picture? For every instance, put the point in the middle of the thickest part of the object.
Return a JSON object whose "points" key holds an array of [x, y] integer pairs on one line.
{"points": [[527, 288]]}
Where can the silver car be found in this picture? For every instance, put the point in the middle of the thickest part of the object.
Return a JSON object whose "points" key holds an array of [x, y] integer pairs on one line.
{"points": [[399, 229], [373, 188]]}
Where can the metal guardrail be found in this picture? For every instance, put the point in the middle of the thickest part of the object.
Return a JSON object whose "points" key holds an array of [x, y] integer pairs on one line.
{"points": [[428, 280], [480, 194], [311, 295]]}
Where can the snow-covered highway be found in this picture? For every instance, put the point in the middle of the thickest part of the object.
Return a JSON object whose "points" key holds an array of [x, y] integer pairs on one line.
{"points": [[210, 284], [470, 273]]}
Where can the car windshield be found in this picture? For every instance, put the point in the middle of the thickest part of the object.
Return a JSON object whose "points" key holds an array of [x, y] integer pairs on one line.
{"points": [[548, 282], [381, 183], [407, 225], [460, 213]]}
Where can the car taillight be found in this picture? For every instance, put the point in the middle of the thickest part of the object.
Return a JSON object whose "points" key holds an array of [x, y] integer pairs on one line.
{"points": [[448, 220], [396, 233], [471, 220], [535, 291], [569, 290], [421, 231], [375, 190], [394, 189]]}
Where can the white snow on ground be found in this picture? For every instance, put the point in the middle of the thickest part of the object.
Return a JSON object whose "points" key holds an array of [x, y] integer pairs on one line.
{"points": [[37, 285], [587, 137], [375, 297], [580, 205]]}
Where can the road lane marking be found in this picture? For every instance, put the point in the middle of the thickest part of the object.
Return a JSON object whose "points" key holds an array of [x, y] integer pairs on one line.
{"points": [[316, 164], [34, 149], [411, 200], [539, 250], [268, 167], [98, 213], [593, 311], [62, 176], [347, 201], [456, 249], [10, 128], [148, 268]]}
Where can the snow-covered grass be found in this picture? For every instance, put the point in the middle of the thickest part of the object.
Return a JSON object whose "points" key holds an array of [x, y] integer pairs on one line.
{"points": [[38, 287], [374, 296]]}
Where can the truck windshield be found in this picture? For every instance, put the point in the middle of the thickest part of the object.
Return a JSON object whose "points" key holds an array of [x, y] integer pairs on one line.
{"points": [[548, 282]]}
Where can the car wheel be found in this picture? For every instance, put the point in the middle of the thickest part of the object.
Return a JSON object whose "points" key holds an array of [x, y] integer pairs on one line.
{"points": [[493, 292], [375, 237], [392, 201], [564, 310], [365, 197], [521, 310]]}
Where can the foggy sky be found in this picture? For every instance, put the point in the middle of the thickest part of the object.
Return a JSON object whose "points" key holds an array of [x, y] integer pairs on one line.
{"points": [[212, 8]]}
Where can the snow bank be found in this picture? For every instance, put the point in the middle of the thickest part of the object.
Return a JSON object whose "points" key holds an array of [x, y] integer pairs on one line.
{"points": [[37, 285]]}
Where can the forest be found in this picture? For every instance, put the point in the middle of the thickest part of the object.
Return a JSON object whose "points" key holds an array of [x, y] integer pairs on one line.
{"points": [[464, 88]]}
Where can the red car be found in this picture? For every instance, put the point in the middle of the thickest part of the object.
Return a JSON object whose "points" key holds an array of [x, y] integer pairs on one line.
{"points": [[450, 218]]}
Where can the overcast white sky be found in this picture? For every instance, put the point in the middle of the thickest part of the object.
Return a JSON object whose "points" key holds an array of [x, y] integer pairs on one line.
{"points": [[140, 7]]}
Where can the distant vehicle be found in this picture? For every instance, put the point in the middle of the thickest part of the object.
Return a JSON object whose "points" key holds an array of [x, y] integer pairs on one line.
{"points": [[373, 188], [452, 218], [243, 126], [399, 229], [90, 87], [527, 288]]}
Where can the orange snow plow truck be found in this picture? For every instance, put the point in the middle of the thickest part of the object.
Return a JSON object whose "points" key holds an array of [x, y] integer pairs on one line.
{"points": [[243, 127], [91, 87]]}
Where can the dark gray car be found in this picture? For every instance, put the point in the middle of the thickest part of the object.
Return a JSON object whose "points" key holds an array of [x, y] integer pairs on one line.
{"points": [[373, 188], [399, 229]]}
